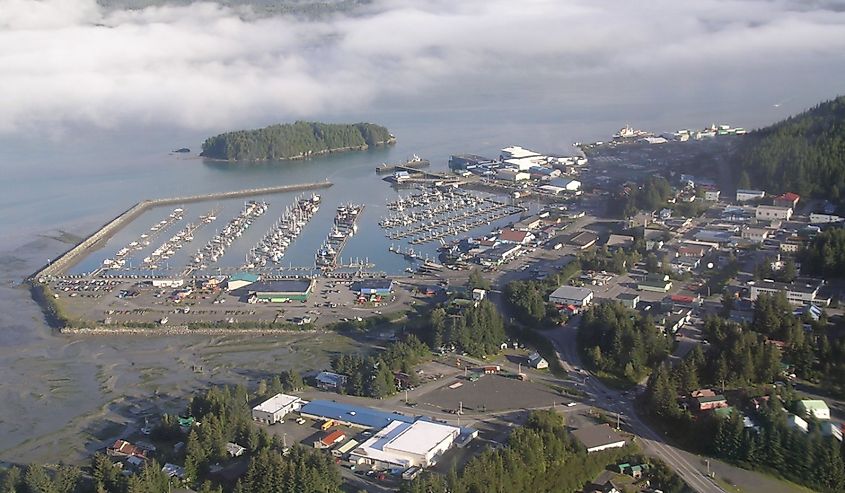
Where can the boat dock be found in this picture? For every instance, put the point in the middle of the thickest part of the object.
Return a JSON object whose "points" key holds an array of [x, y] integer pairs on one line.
{"points": [[344, 227], [414, 163]]}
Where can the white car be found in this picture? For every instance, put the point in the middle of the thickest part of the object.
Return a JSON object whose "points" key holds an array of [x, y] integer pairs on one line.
{"points": [[572, 404]]}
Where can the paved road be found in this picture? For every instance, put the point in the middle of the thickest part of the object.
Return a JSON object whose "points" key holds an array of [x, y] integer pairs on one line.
{"points": [[563, 339]]}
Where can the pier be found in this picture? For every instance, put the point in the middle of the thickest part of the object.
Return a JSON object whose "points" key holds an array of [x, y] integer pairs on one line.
{"points": [[69, 258]]}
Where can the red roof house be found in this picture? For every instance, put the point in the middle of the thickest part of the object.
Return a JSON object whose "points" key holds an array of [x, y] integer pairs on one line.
{"points": [[514, 236], [788, 199]]}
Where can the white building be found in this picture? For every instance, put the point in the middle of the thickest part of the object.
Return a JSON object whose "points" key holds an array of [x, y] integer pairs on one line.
{"points": [[167, 283], [815, 407], [404, 445], [712, 195], [796, 293], [796, 422], [746, 195], [571, 295], [596, 438], [512, 174], [830, 429], [275, 408], [822, 218], [773, 213], [537, 361], [517, 152]]}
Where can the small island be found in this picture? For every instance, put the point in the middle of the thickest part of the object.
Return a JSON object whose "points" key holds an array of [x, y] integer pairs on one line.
{"points": [[294, 141]]}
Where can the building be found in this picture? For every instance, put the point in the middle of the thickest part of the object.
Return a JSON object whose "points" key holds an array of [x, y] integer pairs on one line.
{"points": [[281, 291], [709, 402], [815, 407], [515, 236], [797, 423], [656, 283], [167, 283], [377, 287], [234, 450], [566, 183], [599, 437], [830, 429], [239, 280], [518, 152], [620, 241], [822, 218], [478, 294], [744, 195], [463, 161], [630, 300], [511, 174], [327, 380], [173, 470], [330, 439], [756, 235], [571, 295], [584, 239], [401, 445], [712, 195], [772, 213], [537, 361], [275, 408], [788, 199], [122, 448], [499, 254], [343, 414], [798, 293]]}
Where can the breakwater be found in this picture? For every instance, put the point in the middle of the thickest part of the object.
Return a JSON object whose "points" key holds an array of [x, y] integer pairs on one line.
{"points": [[70, 257], [178, 330]]}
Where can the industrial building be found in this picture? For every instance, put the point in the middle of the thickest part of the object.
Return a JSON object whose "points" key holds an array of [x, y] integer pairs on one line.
{"points": [[275, 408], [401, 445], [743, 195], [240, 280], [772, 213], [370, 287], [571, 295], [512, 174], [280, 291], [350, 414]]}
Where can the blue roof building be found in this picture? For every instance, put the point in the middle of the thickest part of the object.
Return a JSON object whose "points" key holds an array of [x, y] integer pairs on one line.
{"points": [[352, 415], [380, 287]]}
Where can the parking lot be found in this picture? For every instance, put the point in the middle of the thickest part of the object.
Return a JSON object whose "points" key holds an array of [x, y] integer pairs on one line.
{"points": [[490, 393]]}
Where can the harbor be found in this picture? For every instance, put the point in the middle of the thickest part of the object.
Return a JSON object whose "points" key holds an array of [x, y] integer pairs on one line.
{"points": [[285, 231], [415, 162], [343, 228]]}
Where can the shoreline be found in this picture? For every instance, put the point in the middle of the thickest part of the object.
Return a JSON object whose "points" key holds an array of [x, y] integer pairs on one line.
{"points": [[301, 157]]}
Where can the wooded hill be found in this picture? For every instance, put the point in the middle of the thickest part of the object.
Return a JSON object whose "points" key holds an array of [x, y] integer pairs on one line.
{"points": [[294, 141], [803, 154]]}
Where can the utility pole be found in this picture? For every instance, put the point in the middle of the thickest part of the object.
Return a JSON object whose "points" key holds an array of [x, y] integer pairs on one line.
{"points": [[617, 422], [285, 440], [406, 397]]}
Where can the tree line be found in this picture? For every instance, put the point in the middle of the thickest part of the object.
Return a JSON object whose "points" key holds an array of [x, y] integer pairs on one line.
{"points": [[374, 375], [293, 140], [825, 254]]}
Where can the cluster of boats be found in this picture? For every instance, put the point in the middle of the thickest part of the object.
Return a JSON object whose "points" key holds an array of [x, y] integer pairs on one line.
{"points": [[143, 241], [217, 245], [433, 215], [286, 229], [176, 242], [344, 227]]}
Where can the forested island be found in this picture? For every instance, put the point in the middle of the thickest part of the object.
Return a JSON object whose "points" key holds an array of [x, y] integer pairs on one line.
{"points": [[802, 154], [295, 141]]}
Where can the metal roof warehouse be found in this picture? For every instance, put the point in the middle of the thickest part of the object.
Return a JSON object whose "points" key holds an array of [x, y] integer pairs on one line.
{"points": [[281, 290], [352, 415]]}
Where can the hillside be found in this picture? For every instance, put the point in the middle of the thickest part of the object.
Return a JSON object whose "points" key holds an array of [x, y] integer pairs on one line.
{"points": [[804, 154], [294, 141]]}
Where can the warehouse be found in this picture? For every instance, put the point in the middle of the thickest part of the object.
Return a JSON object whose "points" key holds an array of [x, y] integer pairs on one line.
{"points": [[350, 414], [275, 408], [240, 280], [378, 287], [403, 445], [599, 437], [772, 213], [280, 291], [571, 295]]}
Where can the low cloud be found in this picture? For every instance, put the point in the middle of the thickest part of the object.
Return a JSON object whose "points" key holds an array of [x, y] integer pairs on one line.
{"points": [[205, 66]]}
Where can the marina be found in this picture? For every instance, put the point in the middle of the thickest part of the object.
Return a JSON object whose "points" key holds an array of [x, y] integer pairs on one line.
{"points": [[123, 255], [414, 162], [344, 227], [176, 242], [216, 247], [285, 231]]}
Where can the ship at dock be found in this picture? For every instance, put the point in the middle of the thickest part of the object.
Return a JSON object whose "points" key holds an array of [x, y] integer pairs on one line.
{"points": [[345, 226], [413, 162]]}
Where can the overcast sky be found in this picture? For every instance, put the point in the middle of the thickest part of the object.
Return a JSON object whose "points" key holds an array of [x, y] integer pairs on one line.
{"points": [[203, 66]]}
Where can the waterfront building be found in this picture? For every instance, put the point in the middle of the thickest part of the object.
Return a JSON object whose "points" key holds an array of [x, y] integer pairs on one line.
{"points": [[281, 291]]}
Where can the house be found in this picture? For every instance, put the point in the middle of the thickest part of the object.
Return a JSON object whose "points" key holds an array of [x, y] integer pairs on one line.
{"points": [[693, 250], [711, 195], [122, 448], [665, 213], [515, 236], [571, 295], [327, 380], [274, 409], [788, 199], [797, 423], [756, 235], [706, 402], [630, 300], [537, 361], [656, 283], [234, 450], [606, 487], [772, 213], [617, 241], [814, 407], [744, 195], [478, 294], [330, 439], [239, 280], [173, 470], [599, 437]]}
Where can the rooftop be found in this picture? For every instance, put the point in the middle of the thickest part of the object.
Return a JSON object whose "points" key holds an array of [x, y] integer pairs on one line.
{"points": [[275, 403], [571, 292], [359, 415], [282, 286], [243, 276], [375, 284], [598, 435]]}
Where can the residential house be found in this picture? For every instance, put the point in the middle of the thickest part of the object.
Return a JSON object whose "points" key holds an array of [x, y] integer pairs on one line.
{"points": [[788, 199], [327, 380], [537, 361], [814, 407]]}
